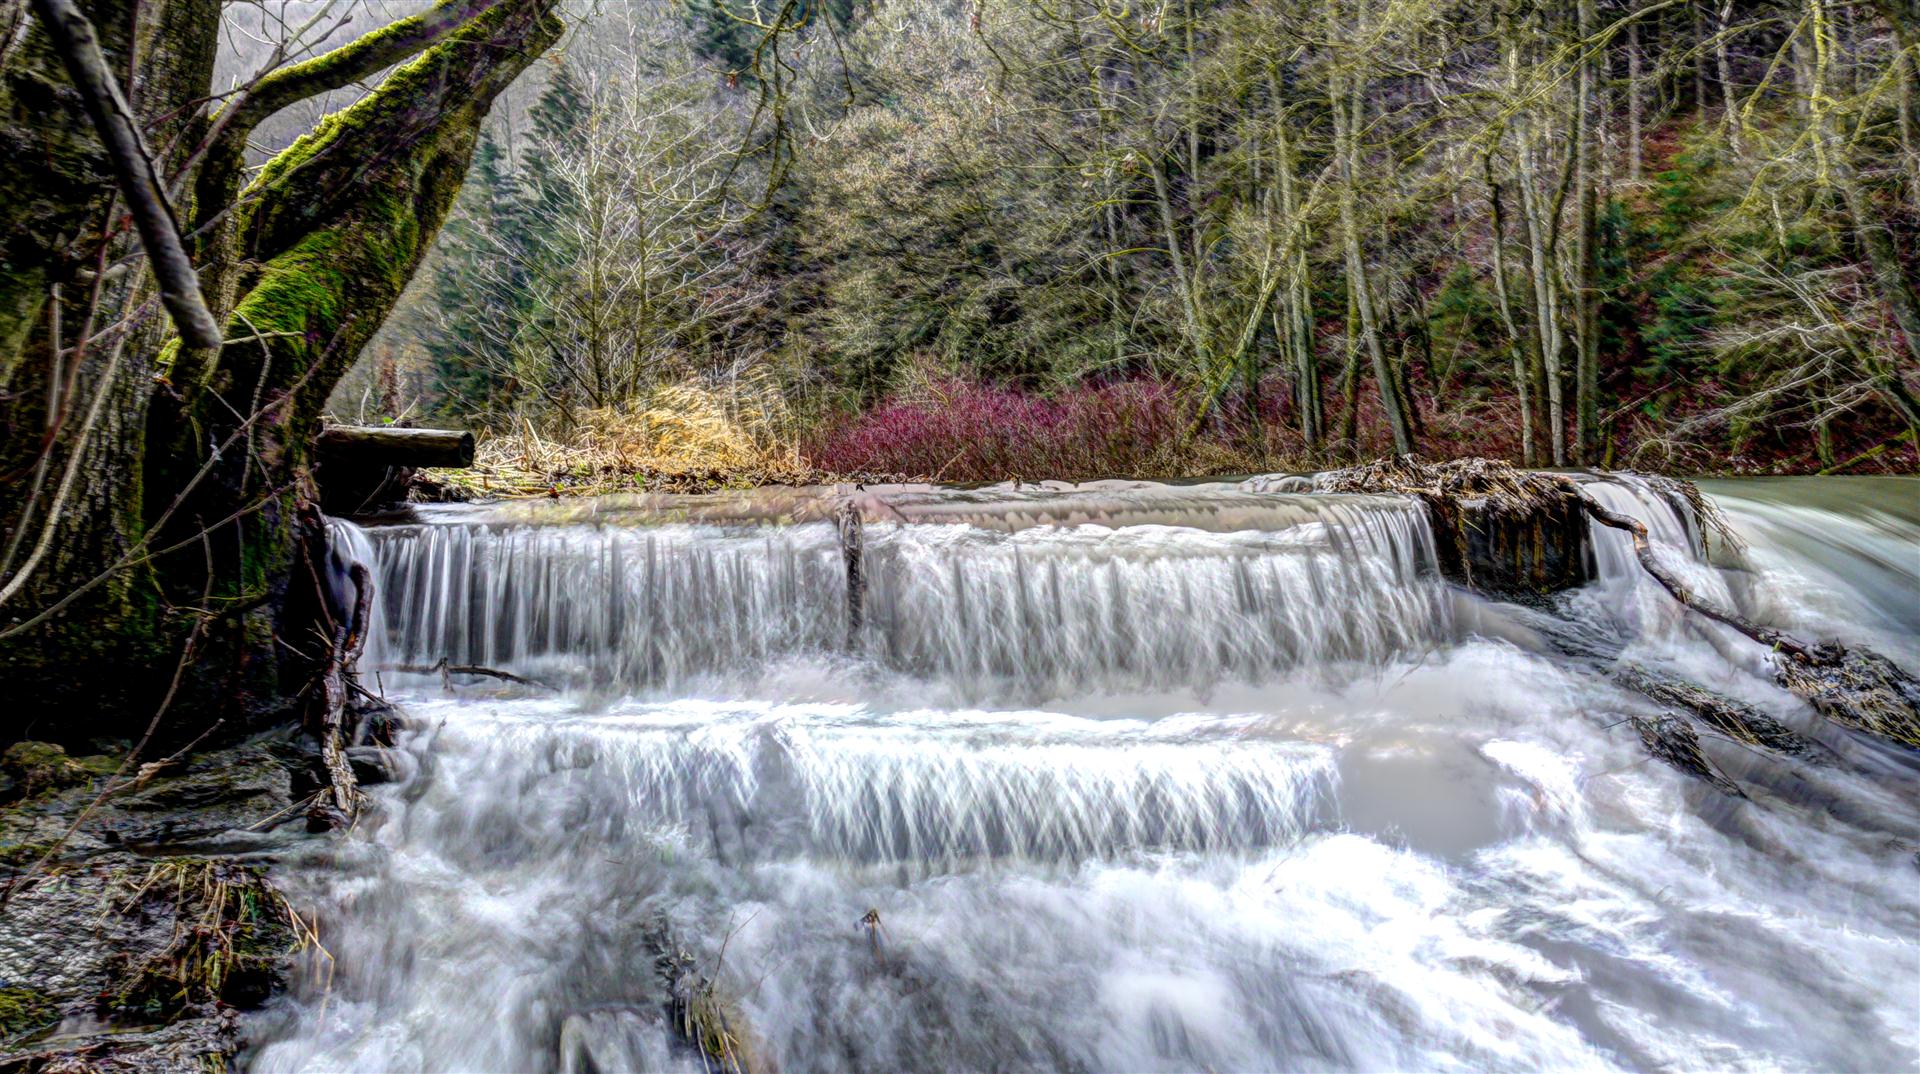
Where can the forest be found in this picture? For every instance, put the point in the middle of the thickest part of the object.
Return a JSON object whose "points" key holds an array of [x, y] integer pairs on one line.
{"points": [[758, 535], [998, 238]]}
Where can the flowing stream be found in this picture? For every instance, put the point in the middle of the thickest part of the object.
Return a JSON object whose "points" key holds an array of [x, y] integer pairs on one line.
{"points": [[1118, 777]]}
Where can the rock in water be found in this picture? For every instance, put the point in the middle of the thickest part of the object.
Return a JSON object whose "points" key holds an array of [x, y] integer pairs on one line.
{"points": [[1859, 689], [1674, 741], [1497, 530]]}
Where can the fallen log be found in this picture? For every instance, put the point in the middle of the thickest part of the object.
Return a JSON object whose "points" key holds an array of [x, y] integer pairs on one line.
{"points": [[373, 445], [364, 467]]}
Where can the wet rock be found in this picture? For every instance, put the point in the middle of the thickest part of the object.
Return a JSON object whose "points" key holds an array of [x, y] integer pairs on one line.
{"points": [[617, 1038], [1858, 689], [1734, 719], [34, 768], [1673, 740], [374, 765], [136, 932], [199, 806], [381, 724], [188, 1047], [1497, 530]]}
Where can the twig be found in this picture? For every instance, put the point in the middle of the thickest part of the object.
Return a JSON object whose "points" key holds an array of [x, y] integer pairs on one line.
{"points": [[444, 668], [79, 47]]}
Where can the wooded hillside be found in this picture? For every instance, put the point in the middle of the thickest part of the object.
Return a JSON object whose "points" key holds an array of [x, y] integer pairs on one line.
{"points": [[1676, 233]]}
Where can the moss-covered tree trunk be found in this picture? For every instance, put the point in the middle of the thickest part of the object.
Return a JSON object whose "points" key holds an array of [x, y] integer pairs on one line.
{"points": [[181, 478]]}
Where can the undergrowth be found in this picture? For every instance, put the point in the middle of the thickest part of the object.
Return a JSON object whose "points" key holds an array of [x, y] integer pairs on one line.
{"points": [[695, 437], [231, 931], [682, 437]]}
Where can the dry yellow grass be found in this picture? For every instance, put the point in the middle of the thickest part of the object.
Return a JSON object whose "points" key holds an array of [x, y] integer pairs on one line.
{"points": [[683, 437]]}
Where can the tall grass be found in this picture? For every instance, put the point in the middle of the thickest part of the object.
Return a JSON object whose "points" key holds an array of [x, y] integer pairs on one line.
{"points": [[681, 437], [695, 436]]}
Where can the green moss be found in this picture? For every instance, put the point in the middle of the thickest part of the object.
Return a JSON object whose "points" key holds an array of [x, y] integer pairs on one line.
{"points": [[383, 114], [235, 937], [299, 293], [24, 1010], [21, 855], [99, 764], [38, 767]]}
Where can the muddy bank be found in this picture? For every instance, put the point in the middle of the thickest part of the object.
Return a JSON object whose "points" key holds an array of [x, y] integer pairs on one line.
{"points": [[138, 925]]}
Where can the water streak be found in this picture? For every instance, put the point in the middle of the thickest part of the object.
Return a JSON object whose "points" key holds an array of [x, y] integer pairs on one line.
{"points": [[1123, 778]]}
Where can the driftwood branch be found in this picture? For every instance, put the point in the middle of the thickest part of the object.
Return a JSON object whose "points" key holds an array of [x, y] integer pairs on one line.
{"points": [[1643, 551], [340, 799], [1854, 687], [444, 668], [79, 47]]}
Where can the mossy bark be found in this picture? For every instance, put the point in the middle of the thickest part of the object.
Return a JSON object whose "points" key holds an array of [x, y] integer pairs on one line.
{"points": [[59, 192], [199, 470]]}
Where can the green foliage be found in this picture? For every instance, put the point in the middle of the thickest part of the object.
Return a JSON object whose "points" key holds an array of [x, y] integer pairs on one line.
{"points": [[24, 1010], [475, 278], [1048, 197], [1679, 290]]}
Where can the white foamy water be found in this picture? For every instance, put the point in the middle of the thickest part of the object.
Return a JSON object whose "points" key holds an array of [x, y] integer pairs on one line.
{"points": [[1255, 793]]}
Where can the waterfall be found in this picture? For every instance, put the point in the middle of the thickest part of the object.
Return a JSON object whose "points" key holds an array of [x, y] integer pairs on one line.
{"points": [[349, 546], [1038, 608], [1113, 777]]}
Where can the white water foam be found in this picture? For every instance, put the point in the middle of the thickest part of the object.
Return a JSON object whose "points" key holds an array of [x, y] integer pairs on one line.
{"points": [[1307, 814]]}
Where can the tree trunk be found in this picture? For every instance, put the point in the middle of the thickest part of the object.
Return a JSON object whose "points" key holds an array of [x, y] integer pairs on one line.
{"points": [[189, 466], [1347, 118], [1635, 123], [1546, 320], [1725, 68], [1515, 344], [1586, 381]]}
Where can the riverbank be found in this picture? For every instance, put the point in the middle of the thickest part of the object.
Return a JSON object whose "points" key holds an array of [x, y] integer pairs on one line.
{"points": [[140, 917], [692, 439]]}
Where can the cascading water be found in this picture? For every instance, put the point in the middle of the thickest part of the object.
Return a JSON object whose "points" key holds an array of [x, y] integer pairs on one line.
{"points": [[983, 606], [1141, 778]]}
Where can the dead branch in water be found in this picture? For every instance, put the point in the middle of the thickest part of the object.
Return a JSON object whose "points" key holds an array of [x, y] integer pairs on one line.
{"points": [[1468, 499], [339, 800], [1674, 741], [444, 668], [1643, 551], [1856, 688]]}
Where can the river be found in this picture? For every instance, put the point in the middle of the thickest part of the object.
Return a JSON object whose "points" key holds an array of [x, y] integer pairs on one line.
{"points": [[1122, 777]]}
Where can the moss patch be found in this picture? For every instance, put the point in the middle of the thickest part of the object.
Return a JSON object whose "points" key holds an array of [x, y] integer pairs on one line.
{"points": [[25, 1010], [38, 767], [232, 931]]}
